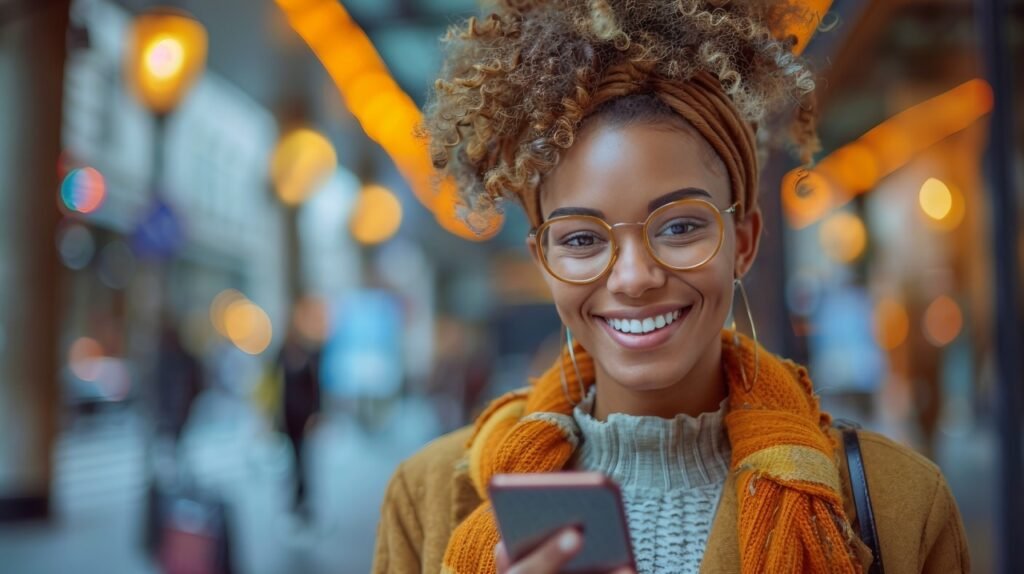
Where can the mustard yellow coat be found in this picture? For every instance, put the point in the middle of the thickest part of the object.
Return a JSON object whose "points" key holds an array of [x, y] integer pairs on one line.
{"points": [[917, 518]]}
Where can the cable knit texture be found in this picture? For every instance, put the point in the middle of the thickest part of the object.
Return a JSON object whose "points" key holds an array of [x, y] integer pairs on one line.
{"points": [[671, 473]]}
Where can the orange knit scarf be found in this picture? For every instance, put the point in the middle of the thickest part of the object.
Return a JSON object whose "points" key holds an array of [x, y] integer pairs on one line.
{"points": [[790, 508]]}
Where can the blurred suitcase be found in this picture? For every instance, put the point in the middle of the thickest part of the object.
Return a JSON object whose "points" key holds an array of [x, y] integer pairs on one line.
{"points": [[187, 531]]}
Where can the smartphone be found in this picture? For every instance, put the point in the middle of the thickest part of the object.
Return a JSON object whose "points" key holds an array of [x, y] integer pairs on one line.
{"points": [[532, 507]]}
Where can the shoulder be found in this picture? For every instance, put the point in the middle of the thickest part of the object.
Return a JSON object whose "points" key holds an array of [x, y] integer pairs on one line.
{"points": [[915, 512], [439, 454], [897, 458], [420, 506], [426, 478]]}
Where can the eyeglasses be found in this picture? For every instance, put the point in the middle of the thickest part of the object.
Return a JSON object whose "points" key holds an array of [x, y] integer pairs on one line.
{"points": [[681, 236]]}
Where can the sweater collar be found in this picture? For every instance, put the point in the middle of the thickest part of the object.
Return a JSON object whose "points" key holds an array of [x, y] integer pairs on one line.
{"points": [[648, 452]]}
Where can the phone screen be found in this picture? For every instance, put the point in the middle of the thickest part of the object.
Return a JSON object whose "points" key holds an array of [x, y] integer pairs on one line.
{"points": [[530, 508]]}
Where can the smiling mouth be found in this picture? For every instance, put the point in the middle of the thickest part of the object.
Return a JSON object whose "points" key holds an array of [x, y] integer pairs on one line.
{"points": [[646, 325]]}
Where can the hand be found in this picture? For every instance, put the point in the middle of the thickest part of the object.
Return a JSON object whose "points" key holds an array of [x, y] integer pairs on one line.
{"points": [[548, 558]]}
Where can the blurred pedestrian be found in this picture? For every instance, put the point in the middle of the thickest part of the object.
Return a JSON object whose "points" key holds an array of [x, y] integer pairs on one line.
{"points": [[179, 380], [299, 362]]}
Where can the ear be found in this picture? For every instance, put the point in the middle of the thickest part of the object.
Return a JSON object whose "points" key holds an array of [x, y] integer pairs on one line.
{"points": [[748, 239]]}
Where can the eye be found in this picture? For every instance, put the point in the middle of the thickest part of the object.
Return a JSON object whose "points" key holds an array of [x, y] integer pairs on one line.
{"points": [[581, 239], [680, 227]]}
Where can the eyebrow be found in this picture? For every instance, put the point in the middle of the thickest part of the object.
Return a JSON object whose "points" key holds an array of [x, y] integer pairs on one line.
{"points": [[653, 205], [676, 195]]}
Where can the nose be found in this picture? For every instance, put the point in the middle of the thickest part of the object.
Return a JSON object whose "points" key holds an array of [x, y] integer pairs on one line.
{"points": [[635, 271]]}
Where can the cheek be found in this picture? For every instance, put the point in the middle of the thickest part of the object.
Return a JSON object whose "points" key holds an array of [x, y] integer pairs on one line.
{"points": [[714, 283], [569, 301]]}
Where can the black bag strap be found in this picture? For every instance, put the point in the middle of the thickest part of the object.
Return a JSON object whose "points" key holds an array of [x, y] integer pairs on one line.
{"points": [[862, 498]]}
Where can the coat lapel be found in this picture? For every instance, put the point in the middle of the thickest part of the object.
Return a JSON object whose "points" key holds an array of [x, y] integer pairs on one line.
{"points": [[464, 496], [722, 553]]}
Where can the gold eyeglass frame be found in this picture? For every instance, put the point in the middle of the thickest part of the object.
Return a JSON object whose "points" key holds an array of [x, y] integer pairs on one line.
{"points": [[538, 232]]}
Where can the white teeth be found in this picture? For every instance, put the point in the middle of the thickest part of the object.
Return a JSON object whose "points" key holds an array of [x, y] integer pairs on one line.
{"points": [[646, 325]]}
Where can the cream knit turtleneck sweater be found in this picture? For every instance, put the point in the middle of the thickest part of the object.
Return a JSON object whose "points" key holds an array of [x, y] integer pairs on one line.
{"points": [[671, 473]]}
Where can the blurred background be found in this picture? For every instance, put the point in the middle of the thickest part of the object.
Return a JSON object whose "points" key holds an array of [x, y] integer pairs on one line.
{"points": [[232, 302]]}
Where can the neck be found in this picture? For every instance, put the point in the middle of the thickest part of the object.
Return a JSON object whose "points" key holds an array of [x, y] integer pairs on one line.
{"points": [[700, 390]]}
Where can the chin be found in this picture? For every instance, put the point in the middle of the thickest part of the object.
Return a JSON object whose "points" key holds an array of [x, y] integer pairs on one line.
{"points": [[648, 371]]}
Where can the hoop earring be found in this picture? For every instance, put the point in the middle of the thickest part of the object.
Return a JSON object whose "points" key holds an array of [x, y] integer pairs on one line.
{"points": [[567, 340], [748, 384]]}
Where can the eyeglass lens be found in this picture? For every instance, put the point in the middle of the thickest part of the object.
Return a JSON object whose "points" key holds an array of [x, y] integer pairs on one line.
{"points": [[681, 236]]}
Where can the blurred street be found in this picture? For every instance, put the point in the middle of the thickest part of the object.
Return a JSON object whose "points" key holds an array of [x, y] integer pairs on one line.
{"points": [[101, 483], [225, 250]]}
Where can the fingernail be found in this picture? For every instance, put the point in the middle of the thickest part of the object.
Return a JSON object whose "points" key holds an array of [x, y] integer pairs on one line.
{"points": [[568, 541]]}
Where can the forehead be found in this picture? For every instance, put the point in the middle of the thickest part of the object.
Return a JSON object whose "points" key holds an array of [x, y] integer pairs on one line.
{"points": [[619, 169]]}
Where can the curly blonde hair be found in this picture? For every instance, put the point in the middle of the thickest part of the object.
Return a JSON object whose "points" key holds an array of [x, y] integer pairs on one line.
{"points": [[517, 85]]}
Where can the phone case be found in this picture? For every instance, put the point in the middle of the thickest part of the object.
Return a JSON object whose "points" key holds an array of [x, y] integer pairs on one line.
{"points": [[531, 507]]}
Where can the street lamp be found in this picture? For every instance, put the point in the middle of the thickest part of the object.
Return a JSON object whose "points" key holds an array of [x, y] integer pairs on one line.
{"points": [[166, 54]]}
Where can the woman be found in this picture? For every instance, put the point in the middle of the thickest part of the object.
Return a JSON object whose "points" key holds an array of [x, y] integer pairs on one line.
{"points": [[629, 131]]}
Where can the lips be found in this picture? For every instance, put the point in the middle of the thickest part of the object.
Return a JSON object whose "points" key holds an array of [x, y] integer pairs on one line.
{"points": [[646, 330]]}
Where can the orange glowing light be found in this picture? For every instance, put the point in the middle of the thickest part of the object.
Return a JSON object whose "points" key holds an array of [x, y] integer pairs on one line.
{"points": [[806, 195], [165, 56], [857, 167], [303, 160], [843, 237], [386, 113], [935, 199], [377, 215], [892, 324], [801, 24], [248, 326], [219, 307], [942, 203], [942, 321]]}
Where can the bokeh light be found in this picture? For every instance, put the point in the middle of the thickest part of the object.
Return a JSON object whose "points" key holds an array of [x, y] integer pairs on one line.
{"points": [[377, 215], [386, 113], [219, 307], [76, 245], [856, 167], [248, 326], [945, 200], [83, 190], [935, 199], [83, 358], [892, 323], [843, 237], [303, 160], [164, 57], [942, 321]]}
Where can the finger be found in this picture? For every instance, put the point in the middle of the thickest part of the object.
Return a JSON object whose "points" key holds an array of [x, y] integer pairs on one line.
{"points": [[624, 570], [550, 556], [501, 557]]}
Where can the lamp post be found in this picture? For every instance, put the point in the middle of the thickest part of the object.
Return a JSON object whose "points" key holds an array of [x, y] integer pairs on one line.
{"points": [[165, 55]]}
